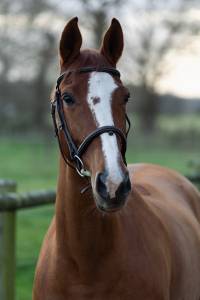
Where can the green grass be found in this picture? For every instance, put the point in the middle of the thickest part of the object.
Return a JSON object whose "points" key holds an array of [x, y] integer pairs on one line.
{"points": [[34, 165], [174, 124], [31, 228], [159, 151]]}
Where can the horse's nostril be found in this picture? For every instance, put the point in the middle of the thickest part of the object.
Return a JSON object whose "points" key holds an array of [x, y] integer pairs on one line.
{"points": [[101, 186], [124, 187], [118, 196]]}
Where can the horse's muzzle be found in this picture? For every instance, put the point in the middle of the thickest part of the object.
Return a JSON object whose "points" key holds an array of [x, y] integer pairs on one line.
{"points": [[104, 200]]}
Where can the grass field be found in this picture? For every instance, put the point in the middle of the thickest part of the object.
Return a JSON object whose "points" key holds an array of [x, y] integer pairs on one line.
{"points": [[34, 165]]}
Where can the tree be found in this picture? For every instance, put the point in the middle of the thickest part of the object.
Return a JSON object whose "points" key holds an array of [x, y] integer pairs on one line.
{"points": [[158, 29], [27, 51], [153, 29], [97, 13]]}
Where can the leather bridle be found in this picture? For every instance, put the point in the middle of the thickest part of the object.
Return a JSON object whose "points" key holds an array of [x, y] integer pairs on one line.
{"points": [[75, 152]]}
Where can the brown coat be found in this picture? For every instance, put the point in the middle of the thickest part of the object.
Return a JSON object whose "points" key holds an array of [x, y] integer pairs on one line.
{"points": [[148, 251]]}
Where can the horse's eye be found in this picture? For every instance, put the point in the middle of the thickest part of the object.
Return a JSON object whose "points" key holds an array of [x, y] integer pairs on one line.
{"points": [[69, 100], [127, 97]]}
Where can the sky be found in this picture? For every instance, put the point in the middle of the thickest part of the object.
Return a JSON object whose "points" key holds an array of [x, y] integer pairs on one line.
{"points": [[184, 77]]}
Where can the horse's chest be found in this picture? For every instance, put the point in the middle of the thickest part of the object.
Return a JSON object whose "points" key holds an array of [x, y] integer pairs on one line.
{"points": [[120, 291], [117, 285]]}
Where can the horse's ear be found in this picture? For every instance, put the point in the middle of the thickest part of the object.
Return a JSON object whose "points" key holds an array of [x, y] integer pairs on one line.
{"points": [[113, 42], [70, 42]]}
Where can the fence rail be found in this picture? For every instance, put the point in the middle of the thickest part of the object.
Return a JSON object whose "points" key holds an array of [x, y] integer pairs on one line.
{"points": [[14, 201], [10, 203], [194, 178]]}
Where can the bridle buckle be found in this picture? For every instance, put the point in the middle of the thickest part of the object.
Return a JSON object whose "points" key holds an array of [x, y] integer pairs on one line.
{"points": [[80, 167]]}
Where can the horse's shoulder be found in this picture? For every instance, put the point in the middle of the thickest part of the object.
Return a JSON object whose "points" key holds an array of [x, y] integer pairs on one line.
{"points": [[163, 185], [150, 168], [149, 173]]}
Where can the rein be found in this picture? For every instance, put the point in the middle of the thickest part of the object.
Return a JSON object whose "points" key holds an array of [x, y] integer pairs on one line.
{"points": [[74, 151]]}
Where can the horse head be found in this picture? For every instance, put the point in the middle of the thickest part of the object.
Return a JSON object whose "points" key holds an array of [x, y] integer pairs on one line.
{"points": [[92, 111]]}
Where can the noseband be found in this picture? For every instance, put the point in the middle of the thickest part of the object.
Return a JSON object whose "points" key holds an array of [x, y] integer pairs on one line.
{"points": [[74, 151]]}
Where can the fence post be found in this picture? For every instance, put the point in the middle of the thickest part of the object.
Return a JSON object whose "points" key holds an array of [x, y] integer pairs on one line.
{"points": [[7, 246]]}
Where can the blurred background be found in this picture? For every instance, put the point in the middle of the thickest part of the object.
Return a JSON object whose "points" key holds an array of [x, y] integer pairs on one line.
{"points": [[160, 65]]}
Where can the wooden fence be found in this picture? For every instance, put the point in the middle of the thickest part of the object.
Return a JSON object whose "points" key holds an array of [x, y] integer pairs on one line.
{"points": [[10, 202]]}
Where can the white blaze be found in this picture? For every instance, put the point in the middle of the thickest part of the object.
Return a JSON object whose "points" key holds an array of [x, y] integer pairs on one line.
{"points": [[100, 88]]}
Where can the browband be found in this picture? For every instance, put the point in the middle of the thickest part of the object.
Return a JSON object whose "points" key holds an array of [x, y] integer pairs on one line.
{"points": [[111, 71]]}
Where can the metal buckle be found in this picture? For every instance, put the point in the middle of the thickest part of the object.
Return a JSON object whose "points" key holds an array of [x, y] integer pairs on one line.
{"points": [[80, 169]]}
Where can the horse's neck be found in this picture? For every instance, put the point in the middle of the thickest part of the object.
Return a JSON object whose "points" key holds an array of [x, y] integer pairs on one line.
{"points": [[81, 231]]}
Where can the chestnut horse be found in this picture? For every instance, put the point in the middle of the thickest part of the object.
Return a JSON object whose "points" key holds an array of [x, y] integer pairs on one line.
{"points": [[119, 232]]}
